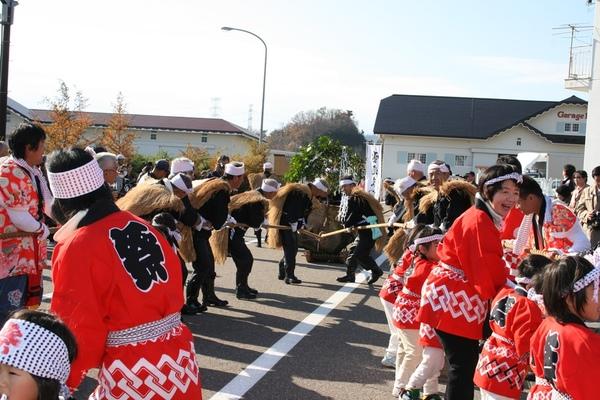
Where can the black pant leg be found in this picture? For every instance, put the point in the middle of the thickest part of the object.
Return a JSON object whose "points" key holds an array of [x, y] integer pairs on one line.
{"points": [[462, 354], [289, 241], [363, 250], [242, 257]]}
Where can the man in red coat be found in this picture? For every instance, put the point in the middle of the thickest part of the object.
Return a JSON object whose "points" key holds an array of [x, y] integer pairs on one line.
{"points": [[117, 285]]}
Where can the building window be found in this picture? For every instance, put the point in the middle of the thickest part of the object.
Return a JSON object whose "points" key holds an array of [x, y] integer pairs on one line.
{"points": [[417, 156], [460, 161], [575, 128], [153, 136], [518, 141], [204, 138], [567, 127]]}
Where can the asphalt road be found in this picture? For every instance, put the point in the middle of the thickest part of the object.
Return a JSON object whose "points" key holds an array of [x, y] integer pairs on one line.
{"points": [[338, 336]]}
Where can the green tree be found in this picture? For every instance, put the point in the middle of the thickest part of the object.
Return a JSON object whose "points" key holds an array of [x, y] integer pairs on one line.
{"points": [[307, 126], [325, 158]]}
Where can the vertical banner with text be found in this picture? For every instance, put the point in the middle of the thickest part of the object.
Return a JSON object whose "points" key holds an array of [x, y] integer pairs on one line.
{"points": [[373, 170]]}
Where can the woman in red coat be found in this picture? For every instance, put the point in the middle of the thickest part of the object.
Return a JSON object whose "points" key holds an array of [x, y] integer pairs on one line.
{"points": [[117, 286], [471, 272]]}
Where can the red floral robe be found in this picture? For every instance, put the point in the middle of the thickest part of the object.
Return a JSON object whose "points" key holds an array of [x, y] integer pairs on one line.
{"points": [[394, 282], [24, 255], [565, 358], [503, 362], [112, 278], [471, 272]]}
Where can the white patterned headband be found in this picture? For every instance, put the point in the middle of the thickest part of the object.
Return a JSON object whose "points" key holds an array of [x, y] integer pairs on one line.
{"points": [[423, 240], [32, 348], [433, 167], [513, 175], [76, 182], [591, 277]]}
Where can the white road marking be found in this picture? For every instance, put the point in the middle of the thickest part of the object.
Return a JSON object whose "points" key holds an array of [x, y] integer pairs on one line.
{"points": [[250, 376]]}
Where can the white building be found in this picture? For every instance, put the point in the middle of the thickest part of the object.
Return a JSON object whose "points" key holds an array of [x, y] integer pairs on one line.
{"points": [[470, 133], [156, 133]]}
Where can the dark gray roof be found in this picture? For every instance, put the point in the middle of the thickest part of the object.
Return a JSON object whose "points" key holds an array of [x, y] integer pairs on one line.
{"points": [[460, 117], [140, 121]]}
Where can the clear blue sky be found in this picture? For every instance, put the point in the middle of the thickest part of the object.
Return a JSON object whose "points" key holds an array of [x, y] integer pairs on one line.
{"points": [[171, 58]]}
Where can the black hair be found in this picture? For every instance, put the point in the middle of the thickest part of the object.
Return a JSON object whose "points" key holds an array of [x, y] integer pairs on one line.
{"points": [[569, 169], [559, 279], [66, 160], [532, 265], [564, 191], [24, 135], [510, 160], [530, 186], [583, 173], [411, 236], [426, 231], [99, 148], [49, 388], [495, 171], [596, 171]]}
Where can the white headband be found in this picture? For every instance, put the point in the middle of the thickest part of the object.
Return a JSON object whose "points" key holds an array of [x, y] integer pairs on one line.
{"points": [[523, 280], [76, 182], [178, 182], [513, 175], [344, 182], [268, 188], [591, 277], [433, 166], [32, 348], [318, 183], [267, 165], [423, 240], [402, 185], [231, 169], [181, 165], [415, 165]]}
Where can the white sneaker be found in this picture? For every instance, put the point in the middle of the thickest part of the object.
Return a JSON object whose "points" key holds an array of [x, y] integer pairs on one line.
{"points": [[389, 361]]}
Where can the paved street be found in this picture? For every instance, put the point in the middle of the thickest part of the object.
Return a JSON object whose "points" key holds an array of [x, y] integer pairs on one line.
{"points": [[319, 340]]}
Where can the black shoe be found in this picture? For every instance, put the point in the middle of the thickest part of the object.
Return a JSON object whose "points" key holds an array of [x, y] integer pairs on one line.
{"points": [[375, 275], [347, 278], [193, 308], [244, 293], [253, 291], [292, 280], [214, 301]]}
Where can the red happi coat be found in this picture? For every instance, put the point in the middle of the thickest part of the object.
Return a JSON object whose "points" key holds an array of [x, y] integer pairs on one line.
{"points": [[566, 357], [115, 274], [503, 362], [407, 302], [394, 282], [470, 273]]}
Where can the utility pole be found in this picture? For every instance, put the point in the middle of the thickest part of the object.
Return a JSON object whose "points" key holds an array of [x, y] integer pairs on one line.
{"points": [[8, 7]]}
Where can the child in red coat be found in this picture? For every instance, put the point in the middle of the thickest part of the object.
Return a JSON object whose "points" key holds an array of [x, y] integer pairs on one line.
{"points": [[407, 303], [503, 362], [564, 351]]}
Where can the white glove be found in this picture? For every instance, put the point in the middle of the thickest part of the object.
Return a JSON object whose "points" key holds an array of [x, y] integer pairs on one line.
{"points": [[230, 220], [265, 223], [392, 220], [44, 232], [204, 224], [294, 226]]}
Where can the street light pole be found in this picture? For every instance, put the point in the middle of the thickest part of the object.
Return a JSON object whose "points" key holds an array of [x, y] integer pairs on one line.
{"points": [[8, 7], [262, 109]]}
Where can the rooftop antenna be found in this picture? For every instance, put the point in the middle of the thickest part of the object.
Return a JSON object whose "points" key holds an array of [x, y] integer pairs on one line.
{"points": [[215, 109]]}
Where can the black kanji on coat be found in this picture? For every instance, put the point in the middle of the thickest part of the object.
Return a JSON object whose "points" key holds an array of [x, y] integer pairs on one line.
{"points": [[551, 356], [141, 254], [501, 310]]}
